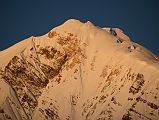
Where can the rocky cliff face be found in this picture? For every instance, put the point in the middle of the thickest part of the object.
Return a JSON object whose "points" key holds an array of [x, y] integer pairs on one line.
{"points": [[79, 72]]}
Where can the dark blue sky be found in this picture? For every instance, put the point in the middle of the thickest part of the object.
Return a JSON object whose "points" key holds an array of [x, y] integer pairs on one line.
{"points": [[20, 19]]}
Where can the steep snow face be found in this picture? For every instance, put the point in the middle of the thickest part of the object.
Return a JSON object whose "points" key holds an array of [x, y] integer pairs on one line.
{"points": [[78, 71]]}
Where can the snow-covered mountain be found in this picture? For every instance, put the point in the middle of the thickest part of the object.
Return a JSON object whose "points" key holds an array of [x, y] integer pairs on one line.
{"points": [[78, 71]]}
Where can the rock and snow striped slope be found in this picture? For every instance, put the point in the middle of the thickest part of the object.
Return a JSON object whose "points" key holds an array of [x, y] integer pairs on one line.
{"points": [[78, 71]]}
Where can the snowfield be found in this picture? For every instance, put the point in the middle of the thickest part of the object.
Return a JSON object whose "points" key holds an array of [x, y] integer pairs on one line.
{"points": [[78, 71]]}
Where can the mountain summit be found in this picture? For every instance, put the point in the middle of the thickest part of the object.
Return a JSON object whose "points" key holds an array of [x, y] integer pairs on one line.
{"points": [[78, 71]]}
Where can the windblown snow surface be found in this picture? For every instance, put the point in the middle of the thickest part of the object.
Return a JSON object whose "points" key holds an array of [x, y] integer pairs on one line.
{"points": [[78, 71]]}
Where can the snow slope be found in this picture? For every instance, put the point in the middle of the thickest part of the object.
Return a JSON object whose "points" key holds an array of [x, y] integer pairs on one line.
{"points": [[78, 71]]}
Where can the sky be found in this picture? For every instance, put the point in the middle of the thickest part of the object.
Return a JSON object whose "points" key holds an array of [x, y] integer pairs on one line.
{"points": [[20, 19]]}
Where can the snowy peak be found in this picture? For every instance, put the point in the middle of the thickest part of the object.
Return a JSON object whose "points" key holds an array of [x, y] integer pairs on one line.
{"points": [[73, 22], [78, 71], [110, 38]]}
